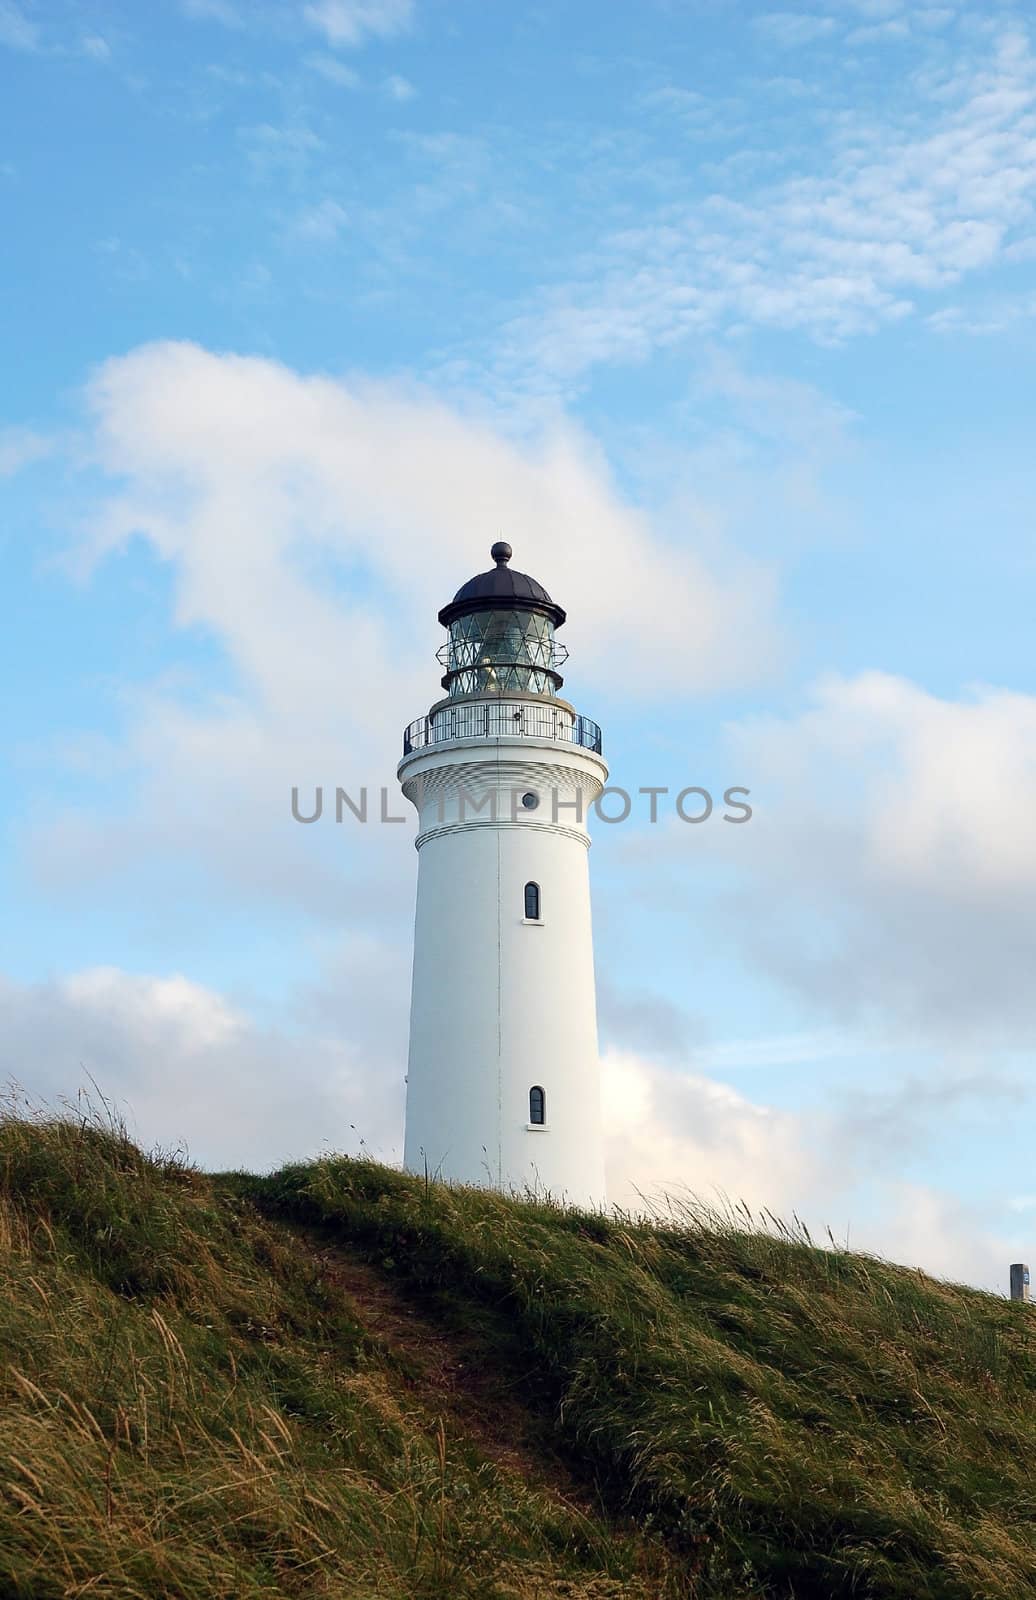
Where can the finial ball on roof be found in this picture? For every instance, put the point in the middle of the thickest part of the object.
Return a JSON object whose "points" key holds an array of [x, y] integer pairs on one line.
{"points": [[501, 553]]}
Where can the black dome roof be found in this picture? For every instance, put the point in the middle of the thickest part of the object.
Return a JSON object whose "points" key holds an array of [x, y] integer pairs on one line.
{"points": [[501, 589]]}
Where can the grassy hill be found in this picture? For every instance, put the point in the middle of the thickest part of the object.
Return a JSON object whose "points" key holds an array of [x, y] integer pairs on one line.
{"points": [[339, 1381]]}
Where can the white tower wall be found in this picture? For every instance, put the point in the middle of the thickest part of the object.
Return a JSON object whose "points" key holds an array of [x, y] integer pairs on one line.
{"points": [[501, 1004]]}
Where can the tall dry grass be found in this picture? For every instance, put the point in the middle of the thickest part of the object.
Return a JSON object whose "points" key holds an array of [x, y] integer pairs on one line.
{"points": [[794, 1420], [191, 1410]]}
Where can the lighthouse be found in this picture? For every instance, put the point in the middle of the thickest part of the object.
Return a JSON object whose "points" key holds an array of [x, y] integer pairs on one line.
{"points": [[503, 1075]]}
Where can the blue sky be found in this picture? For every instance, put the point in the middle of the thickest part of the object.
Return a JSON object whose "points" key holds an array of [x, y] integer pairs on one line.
{"points": [[724, 317]]}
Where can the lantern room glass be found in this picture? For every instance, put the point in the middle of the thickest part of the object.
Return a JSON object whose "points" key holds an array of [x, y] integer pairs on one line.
{"points": [[492, 651]]}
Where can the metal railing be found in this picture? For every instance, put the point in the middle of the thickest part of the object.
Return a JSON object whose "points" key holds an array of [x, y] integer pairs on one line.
{"points": [[506, 720]]}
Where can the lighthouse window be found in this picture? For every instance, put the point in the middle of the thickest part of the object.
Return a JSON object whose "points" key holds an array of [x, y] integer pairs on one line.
{"points": [[532, 902], [537, 1107]]}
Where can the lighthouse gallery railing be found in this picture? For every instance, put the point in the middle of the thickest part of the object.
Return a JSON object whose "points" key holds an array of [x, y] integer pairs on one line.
{"points": [[503, 721]]}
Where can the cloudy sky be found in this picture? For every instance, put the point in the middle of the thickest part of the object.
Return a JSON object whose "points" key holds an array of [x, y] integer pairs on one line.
{"points": [[725, 317]]}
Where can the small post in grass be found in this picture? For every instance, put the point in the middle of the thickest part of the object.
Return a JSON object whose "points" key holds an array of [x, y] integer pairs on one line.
{"points": [[1019, 1281]]}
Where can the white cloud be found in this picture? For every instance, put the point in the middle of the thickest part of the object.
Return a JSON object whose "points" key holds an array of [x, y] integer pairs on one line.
{"points": [[213, 11], [679, 1133], [988, 316], [16, 30], [678, 1140], [397, 88], [684, 103], [891, 863], [343, 22], [334, 71], [793, 29], [929, 1228], [879, 32], [230, 456], [785, 410], [873, 10], [279, 152], [184, 1066], [893, 209], [96, 48], [350, 22], [782, 1050], [321, 222], [948, 787], [19, 447]]}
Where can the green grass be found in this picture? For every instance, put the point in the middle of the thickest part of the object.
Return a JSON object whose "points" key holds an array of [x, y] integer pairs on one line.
{"points": [[240, 1386]]}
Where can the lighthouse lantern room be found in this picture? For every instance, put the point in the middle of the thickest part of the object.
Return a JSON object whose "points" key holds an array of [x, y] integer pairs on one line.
{"points": [[503, 1077]]}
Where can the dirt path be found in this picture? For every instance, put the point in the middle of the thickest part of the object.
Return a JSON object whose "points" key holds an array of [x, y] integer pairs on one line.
{"points": [[443, 1372]]}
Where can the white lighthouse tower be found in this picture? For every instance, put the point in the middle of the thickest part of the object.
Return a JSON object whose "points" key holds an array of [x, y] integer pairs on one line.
{"points": [[503, 1077]]}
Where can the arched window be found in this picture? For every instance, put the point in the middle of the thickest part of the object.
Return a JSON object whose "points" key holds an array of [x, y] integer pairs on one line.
{"points": [[532, 902], [537, 1107]]}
